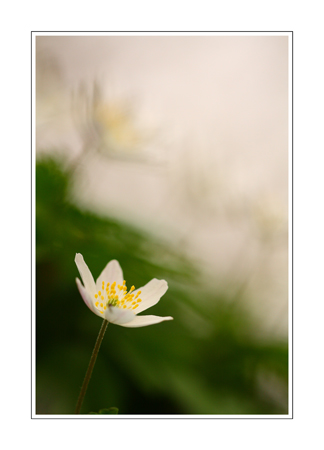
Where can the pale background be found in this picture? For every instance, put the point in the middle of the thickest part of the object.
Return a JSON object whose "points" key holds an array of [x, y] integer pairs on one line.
{"points": [[189, 140]]}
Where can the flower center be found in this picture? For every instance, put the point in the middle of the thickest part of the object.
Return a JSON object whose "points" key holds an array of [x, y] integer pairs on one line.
{"points": [[120, 298]]}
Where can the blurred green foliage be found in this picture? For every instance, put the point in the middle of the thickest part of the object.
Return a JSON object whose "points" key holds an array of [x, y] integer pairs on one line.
{"points": [[110, 410], [208, 360]]}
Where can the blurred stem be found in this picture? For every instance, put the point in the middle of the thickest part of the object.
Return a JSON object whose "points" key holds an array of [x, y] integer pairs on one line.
{"points": [[91, 366]]}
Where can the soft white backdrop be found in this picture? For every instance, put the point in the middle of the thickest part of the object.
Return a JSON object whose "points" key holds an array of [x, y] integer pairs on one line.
{"points": [[195, 138]]}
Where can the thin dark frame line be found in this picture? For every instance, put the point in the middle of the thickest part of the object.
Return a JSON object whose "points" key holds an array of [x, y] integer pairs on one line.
{"points": [[31, 224], [290, 335], [292, 226], [162, 31]]}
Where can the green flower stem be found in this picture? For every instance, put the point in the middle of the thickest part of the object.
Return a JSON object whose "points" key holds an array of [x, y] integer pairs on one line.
{"points": [[91, 366]]}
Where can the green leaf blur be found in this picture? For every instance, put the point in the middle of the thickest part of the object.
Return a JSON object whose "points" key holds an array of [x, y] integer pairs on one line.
{"points": [[111, 410], [208, 360]]}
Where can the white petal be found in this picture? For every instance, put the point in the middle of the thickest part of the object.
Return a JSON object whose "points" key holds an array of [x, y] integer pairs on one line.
{"points": [[150, 294], [86, 297], [85, 273], [112, 272], [143, 321], [118, 315]]}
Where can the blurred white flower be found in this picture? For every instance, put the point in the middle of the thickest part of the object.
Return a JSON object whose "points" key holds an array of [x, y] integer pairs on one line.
{"points": [[109, 299], [118, 130], [108, 126], [270, 217]]}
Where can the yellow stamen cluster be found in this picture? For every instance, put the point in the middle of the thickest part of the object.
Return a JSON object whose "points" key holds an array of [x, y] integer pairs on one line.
{"points": [[109, 296]]}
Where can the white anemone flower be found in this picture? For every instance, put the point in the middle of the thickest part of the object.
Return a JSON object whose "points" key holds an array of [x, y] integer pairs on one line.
{"points": [[108, 296]]}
